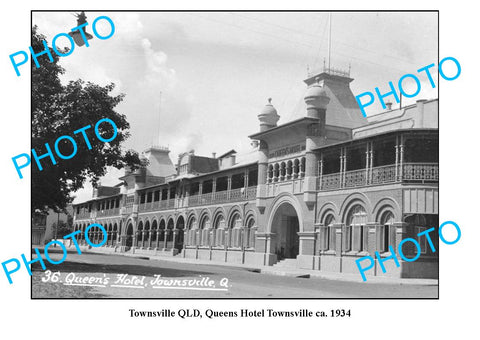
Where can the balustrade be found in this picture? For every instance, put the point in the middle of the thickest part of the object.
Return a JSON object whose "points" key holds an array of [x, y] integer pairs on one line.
{"points": [[408, 172]]}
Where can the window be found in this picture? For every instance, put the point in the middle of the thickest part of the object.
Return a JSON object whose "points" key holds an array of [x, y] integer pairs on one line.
{"points": [[142, 198], [386, 231], [348, 238], [422, 240], [156, 196], [164, 194], [329, 233], [149, 197], [355, 238]]}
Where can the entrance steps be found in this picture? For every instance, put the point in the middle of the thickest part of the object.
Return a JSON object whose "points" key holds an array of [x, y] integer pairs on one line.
{"points": [[286, 264]]}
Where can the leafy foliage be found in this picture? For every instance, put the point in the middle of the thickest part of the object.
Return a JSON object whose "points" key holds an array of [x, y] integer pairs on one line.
{"points": [[59, 110]]}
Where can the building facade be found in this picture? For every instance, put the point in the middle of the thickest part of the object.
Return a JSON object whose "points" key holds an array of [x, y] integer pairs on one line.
{"points": [[317, 193]]}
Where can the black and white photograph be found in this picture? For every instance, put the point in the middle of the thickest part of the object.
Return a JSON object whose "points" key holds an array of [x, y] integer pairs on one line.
{"points": [[241, 165], [206, 169]]}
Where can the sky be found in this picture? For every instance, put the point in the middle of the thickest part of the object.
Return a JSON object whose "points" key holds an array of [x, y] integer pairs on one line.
{"points": [[198, 80]]}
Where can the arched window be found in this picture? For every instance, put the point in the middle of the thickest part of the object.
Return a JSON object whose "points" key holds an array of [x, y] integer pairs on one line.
{"points": [[386, 231], [328, 236], [192, 224], [218, 235], [204, 233], [249, 232], [219, 222], [355, 229]]}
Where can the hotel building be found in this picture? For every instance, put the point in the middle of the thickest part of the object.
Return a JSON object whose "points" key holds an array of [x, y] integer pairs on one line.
{"points": [[317, 193]]}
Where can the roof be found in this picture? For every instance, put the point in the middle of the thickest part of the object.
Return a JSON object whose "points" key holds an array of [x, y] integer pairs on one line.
{"points": [[228, 153], [299, 121]]}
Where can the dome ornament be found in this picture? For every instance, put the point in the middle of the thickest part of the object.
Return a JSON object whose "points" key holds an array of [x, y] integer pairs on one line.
{"points": [[268, 117]]}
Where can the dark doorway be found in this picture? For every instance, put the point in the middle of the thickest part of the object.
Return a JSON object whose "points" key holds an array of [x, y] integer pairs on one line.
{"points": [[129, 240], [285, 226], [292, 241], [179, 237]]}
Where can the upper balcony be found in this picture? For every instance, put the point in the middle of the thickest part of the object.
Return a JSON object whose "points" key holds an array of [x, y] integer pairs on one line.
{"points": [[405, 173]]}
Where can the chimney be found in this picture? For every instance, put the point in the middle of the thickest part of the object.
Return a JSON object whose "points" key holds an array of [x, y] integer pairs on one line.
{"points": [[420, 112], [214, 154], [389, 106]]}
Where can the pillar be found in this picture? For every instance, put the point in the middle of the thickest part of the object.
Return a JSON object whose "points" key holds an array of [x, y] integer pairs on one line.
{"points": [[373, 241], [165, 238], [157, 232], [262, 175]]}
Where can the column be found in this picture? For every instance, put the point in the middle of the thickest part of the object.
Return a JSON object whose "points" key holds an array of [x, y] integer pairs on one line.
{"points": [[157, 232], [175, 231], [373, 240], [320, 172], [166, 232], [397, 158], [402, 141], [342, 167], [262, 175], [245, 182], [367, 163], [229, 186]]}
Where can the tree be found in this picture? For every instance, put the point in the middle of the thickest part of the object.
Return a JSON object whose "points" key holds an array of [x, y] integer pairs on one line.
{"points": [[59, 110], [64, 228]]}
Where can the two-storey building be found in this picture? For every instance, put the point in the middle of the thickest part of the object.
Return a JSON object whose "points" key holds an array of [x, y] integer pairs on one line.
{"points": [[317, 192]]}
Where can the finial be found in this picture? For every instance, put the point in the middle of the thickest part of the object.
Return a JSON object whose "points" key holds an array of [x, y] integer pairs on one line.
{"points": [[324, 64], [308, 70], [270, 100]]}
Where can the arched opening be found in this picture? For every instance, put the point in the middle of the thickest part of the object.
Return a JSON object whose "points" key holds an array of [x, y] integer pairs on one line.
{"points": [[251, 228], [387, 231], [161, 234], [218, 236], [114, 234], [129, 240], [180, 236], [328, 232], [169, 231], [154, 234], [139, 234], [355, 229], [109, 235], [285, 225], [146, 235], [235, 231]]}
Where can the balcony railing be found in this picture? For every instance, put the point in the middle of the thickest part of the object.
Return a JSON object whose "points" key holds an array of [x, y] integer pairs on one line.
{"points": [[157, 205], [408, 172], [233, 195]]}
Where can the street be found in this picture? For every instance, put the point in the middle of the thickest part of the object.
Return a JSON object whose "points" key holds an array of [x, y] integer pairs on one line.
{"points": [[91, 275]]}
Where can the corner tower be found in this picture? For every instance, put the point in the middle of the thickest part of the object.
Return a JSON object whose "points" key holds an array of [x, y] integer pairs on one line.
{"points": [[343, 109]]}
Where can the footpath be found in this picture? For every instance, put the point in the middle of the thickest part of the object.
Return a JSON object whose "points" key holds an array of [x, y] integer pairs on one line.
{"points": [[282, 271]]}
